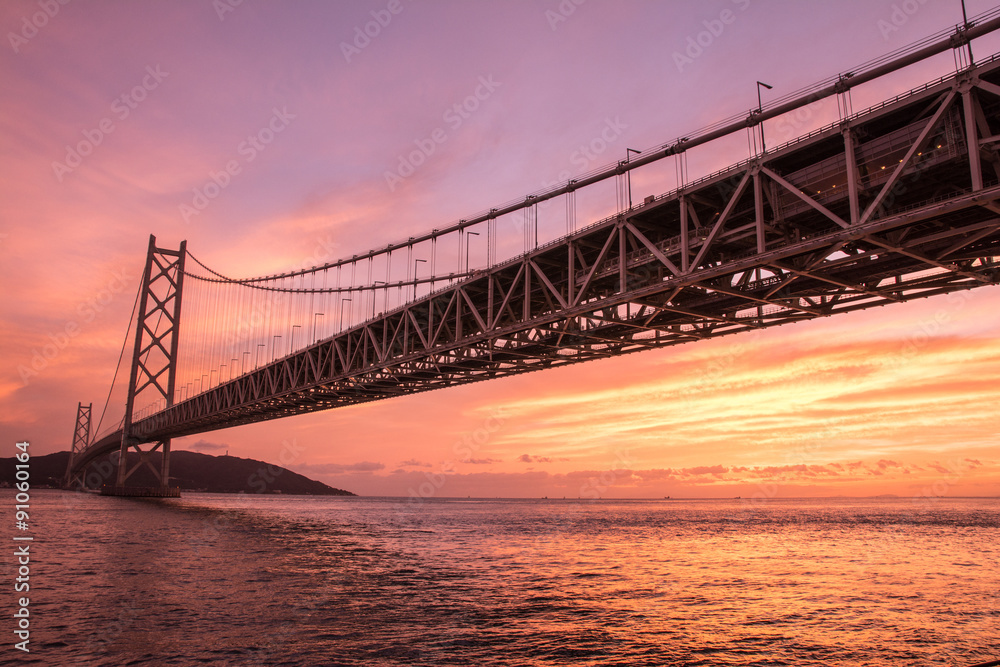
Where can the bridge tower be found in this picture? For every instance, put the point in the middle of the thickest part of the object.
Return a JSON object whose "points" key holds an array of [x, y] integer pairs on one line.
{"points": [[154, 365], [81, 438]]}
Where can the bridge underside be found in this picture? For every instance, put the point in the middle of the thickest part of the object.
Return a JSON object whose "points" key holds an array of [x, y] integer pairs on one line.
{"points": [[891, 205]]}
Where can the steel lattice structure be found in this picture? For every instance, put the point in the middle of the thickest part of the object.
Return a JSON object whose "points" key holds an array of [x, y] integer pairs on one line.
{"points": [[154, 364], [81, 438], [895, 203]]}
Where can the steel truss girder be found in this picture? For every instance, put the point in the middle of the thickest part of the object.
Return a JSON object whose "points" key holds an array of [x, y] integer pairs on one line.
{"points": [[810, 230]]}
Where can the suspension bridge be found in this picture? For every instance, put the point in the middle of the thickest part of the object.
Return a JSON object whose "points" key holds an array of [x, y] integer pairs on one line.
{"points": [[892, 203]]}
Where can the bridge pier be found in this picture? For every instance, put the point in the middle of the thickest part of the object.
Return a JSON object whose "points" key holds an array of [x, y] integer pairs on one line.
{"points": [[140, 491]]}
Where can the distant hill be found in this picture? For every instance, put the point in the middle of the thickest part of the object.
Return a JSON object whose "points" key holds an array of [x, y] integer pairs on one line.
{"points": [[188, 470]]}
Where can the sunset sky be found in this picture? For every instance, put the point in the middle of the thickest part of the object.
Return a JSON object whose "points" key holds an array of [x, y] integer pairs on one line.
{"points": [[162, 95]]}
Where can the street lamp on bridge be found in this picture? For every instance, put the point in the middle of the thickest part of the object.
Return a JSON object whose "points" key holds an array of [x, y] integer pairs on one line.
{"points": [[467, 239], [967, 25], [316, 315], [760, 109], [257, 360], [628, 174], [415, 263], [291, 340], [374, 287], [274, 347], [340, 323]]}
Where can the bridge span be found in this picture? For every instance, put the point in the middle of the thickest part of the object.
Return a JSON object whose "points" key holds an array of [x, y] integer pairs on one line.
{"points": [[894, 203]]}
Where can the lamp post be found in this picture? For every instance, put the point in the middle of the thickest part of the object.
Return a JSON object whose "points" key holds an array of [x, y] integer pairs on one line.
{"points": [[376, 284], [340, 323], [628, 174], [316, 315], [760, 109], [257, 361], [291, 340], [467, 239], [274, 347], [965, 24], [232, 368], [415, 263]]}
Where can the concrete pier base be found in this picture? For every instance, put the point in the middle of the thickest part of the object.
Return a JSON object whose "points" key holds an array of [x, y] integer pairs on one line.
{"points": [[141, 491]]}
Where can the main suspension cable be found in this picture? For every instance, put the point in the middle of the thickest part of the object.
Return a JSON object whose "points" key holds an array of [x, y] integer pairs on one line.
{"points": [[121, 356]]}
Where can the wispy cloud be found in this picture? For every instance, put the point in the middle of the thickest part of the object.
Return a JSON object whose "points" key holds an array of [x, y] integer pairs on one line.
{"points": [[337, 468], [414, 463], [206, 446]]}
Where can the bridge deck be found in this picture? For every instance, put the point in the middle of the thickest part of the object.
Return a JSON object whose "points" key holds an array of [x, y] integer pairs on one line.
{"points": [[887, 206]]}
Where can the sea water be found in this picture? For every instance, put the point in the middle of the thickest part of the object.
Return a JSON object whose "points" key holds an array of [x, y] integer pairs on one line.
{"points": [[281, 580]]}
